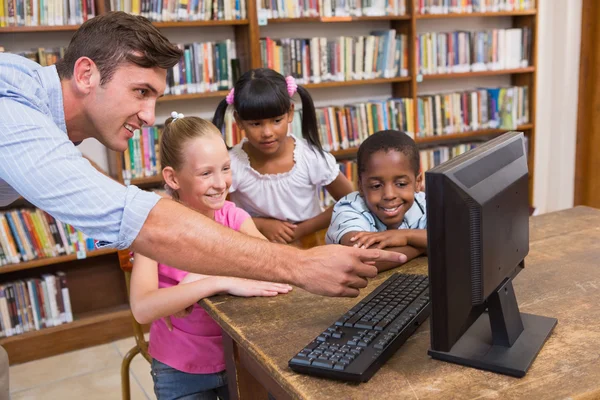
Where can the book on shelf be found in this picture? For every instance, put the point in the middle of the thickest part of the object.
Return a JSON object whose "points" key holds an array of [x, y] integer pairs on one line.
{"points": [[142, 156], [44, 57], [471, 6], [462, 51], [183, 10], [330, 8], [204, 67], [472, 110], [30, 234], [28, 305], [45, 12], [382, 54]]}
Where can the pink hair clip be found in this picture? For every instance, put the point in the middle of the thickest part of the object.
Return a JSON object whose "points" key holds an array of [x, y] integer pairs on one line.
{"points": [[229, 97], [292, 87]]}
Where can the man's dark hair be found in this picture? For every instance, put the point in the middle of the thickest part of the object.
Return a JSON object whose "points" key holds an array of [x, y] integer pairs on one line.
{"points": [[388, 140], [115, 38]]}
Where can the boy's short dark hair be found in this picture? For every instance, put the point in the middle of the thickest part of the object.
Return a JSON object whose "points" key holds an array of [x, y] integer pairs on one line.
{"points": [[388, 140], [114, 38]]}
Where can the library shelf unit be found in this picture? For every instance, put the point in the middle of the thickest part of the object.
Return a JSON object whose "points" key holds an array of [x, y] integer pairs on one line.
{"points": [[400, 86], [96, 283]]}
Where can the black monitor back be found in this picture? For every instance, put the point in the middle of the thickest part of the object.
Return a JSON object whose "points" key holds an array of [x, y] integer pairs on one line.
{"points": [[478, 231]]}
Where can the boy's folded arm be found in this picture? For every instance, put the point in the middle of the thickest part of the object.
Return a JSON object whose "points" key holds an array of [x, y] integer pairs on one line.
{"points": [[409, 251], [418, 238]]}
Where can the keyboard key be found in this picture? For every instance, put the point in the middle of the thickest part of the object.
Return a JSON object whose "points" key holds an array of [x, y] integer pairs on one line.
{"points": [[339, 366], [337, 335], [301, 360], [323, 363]]}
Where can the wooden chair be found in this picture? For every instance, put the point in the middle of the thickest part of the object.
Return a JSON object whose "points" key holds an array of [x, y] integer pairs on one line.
{"points": [[141, 346]]}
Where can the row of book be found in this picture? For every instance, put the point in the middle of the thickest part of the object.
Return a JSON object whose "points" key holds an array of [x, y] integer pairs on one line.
{"points": [[429, 158], [204, 67], [489, 108], [471, 6], [346, 126], [45, 12], [183, 10], [29, 234], [33, 304], [462, 51], [330, 8], [382, 54], [142, 156], [44, 57]]}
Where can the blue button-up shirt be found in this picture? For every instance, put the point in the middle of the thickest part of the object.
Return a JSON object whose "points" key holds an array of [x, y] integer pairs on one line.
{"points": [[40, 163], [351, 214]]}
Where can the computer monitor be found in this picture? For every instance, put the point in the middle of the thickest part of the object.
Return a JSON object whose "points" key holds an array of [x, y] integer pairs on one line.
{"points": [[478, 237]]}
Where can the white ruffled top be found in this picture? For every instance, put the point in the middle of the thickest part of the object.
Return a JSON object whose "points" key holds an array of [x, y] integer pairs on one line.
{"points": [[289, 196]]}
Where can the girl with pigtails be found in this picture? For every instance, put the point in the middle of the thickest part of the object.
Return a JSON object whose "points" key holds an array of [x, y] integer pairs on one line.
{"points": [[277, 177]]}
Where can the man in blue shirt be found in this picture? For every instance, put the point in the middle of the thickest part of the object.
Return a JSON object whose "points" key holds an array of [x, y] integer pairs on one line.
{"points": [[106, 87]]}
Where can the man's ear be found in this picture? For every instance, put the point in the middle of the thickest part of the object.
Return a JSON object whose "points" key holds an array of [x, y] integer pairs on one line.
{"points": [[170, 178], [85, 75], [419, 183]]}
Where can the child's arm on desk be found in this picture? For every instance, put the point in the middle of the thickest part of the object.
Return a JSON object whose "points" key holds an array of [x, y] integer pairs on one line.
{"points": [[149, 303], [349, 239], [339, 188]]}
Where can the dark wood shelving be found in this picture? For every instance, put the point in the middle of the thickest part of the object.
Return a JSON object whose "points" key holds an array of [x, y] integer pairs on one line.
{"points": [[42, 262], [469, 135], [147, 180], [345, 153], [193, 96], [457, 75], [190, 24], [339, 19], [478, 14]]}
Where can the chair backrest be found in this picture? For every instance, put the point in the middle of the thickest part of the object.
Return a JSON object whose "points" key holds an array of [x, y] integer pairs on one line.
{"points": [[126, 263]]}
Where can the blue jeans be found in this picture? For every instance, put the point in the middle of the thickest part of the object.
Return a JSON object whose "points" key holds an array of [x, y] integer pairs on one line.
{"points": [[171, 384]]}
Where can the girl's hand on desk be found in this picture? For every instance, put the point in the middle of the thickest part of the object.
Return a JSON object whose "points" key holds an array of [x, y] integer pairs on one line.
{"points": [[275, 230], [250, 288], [380, 240]]}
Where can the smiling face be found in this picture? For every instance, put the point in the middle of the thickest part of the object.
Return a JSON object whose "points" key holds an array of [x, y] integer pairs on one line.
{"points": [[125, 103], [204, 178], [267, 136], [388, 185]]}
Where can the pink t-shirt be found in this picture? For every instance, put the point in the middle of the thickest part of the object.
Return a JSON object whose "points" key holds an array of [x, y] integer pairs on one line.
{"points": [[195, 345]]}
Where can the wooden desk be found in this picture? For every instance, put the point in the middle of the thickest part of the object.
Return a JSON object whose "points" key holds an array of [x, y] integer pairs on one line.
{"points": [[561, 279]]}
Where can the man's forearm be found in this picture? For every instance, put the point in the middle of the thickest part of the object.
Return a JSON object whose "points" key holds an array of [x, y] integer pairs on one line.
{"points": [[182, 238]]}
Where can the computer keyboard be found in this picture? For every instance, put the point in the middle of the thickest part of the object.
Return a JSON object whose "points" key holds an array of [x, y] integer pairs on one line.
{"points": [[364, 338]]}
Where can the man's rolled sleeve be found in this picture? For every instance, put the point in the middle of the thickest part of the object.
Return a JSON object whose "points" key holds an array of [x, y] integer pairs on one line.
{"points": [[42, 165]]}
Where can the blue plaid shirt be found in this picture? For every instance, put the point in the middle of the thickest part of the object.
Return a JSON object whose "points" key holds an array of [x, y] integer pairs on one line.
{"points": [[351, 214], [40, 163]]}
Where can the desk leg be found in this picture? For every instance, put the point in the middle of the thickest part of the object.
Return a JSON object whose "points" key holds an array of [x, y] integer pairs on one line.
{"points": [[246, 385]]}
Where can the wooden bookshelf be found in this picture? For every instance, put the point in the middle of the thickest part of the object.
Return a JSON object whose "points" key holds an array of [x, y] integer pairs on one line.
{"points": [[193, 96], [478, 14], [338, 19], [95, 328], [443, 139], [97, 286], [197, 24], [474, 74], [42, 262]]}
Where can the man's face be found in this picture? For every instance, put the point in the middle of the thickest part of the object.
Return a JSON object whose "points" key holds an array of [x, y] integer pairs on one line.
{"points": [[124, 104]]}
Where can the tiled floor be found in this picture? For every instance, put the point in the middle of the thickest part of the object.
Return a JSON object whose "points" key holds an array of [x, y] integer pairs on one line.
{"points": [[92, 373]]}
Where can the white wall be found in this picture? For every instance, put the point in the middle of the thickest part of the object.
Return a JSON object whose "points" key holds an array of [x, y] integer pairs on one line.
{"points": [[559, 37]]}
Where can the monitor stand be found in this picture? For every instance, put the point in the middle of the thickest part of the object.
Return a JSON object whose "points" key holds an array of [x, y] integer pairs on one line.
{"points": [[502, 339]]}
